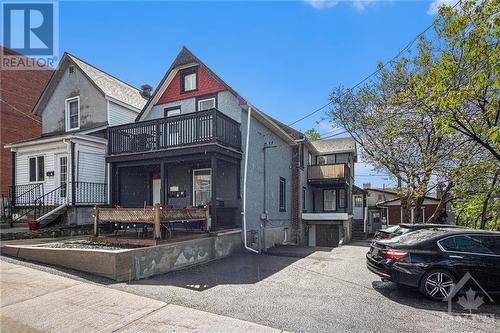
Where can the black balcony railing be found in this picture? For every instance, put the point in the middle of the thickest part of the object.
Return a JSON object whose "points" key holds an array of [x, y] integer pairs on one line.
{"points": [[209, 126]]}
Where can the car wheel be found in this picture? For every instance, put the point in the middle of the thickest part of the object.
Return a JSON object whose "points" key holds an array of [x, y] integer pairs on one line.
{"points": [[437, 284]]}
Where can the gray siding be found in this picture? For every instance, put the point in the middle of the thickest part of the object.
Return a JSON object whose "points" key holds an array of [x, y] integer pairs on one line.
{"points": [[278, 164], [92, 103], [227, 103]]}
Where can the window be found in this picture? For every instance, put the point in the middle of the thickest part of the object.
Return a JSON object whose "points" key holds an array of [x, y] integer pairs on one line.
{"points": [[469, 244], [304, 206], [342, 158], [170, 112], [37, 169], [358, 201], [71, 69], [329, 200], [282, 194], [206, 104], [73, 113], [310, 160], [326, 159], [189, 80], [342, 197], [63, 175]]}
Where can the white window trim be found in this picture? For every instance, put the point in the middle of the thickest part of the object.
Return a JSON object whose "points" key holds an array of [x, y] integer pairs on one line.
{"points": [[195, 81], [172, 110], [66, 112], [36, 169], [204, 100]]}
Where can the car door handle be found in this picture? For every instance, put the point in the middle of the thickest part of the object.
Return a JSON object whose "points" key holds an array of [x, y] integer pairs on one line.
{"points": [[456, 257]]}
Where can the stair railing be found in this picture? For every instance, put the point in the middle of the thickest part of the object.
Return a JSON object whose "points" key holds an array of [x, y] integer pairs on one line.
{"points": [[50, 201]]}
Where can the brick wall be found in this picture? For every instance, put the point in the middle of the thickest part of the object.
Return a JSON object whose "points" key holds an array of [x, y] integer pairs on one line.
{"points": [[207, 84], [19, 92]]}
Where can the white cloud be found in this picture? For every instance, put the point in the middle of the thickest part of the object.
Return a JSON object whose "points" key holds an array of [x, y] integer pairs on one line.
{"points": [[321, 4], [361, 5], [434, 6]]}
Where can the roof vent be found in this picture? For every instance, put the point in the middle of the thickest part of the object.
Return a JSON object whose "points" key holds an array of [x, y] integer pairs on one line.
{"points": [[71, 69], [146, 90], [367, 185]]}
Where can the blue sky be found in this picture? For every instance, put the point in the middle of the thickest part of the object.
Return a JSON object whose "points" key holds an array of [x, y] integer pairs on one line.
{"points": [[285, 57]]}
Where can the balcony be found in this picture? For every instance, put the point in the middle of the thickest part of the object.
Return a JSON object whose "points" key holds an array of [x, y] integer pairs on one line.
{"points": [[328, 174], [191, 129]]}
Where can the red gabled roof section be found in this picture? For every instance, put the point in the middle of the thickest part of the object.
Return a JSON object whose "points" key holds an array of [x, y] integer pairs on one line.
{"points": [[207, 84]]}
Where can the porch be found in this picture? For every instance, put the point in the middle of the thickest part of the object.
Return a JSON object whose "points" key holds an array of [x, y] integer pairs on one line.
{"points": [[185, 183]]}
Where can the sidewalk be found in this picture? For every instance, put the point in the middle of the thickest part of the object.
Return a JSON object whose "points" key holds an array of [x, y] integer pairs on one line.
{"points": [[36, 301]]}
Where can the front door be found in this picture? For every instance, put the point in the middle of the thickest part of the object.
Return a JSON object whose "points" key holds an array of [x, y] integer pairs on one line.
{"points": [[156, 186], [61, 176], [202, 187]]}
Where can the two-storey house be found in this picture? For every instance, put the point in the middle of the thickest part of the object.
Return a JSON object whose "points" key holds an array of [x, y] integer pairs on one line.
{"points": [[65, 168]]}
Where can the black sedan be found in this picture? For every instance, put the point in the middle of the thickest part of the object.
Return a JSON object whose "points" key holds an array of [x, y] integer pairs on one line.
{"points": [[434, 260], [404, 228]]}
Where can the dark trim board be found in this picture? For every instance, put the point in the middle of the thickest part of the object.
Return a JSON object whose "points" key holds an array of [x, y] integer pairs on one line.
{"points": [[179, 154]]}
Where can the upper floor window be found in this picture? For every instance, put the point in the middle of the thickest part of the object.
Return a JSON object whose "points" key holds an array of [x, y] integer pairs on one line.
{"points": [[282, 194], [329, 200], [37, 169], [206, 104], [73, 113], [189, 79], [342, 199], [310, 160], [174, 111], [304, 205], [358, 201]]}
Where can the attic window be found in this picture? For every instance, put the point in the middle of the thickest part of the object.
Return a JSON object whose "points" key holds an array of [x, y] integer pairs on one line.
{"points": [[189, 79], [71, 69]]}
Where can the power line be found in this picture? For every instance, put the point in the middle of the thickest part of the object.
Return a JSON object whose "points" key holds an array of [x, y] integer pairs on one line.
{"points": [[375, 72]]}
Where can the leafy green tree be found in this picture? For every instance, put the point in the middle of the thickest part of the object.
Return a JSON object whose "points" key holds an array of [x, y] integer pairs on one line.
{"points": [[312, 134]]}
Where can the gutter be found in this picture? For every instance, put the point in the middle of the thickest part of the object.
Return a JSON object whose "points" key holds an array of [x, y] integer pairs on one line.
{"points": [[245, 176]]}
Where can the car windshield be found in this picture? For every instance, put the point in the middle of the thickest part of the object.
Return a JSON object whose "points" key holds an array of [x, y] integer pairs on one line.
{"points": [[391, 229], [417, 236]]}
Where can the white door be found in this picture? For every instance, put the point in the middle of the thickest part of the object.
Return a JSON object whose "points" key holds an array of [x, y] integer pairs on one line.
{"points": [[202, 187], [156, 191], [61, 176], [357, 210]]}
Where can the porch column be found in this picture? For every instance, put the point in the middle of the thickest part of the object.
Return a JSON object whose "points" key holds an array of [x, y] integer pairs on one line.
{"points": [[213, 165], [162, 186]]}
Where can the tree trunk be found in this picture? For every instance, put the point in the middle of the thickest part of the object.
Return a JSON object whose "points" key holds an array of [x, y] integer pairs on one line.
{"points": [[484, 212], [441, 208], [405, 209]]}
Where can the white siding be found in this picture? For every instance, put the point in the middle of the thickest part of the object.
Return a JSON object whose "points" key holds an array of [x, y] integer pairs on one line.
{"points": [[91, 164], [118, 115], [48, 150]]}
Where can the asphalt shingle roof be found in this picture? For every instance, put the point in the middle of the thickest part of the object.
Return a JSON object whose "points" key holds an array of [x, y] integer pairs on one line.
{"points": [[112, 86], [336, 145]]}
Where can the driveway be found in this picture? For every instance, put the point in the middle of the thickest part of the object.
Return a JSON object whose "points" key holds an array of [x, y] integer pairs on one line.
{"points": [[328, 290]]}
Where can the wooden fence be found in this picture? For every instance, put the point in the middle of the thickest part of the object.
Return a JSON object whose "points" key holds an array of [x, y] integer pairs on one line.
{"points": [[154, 216]]}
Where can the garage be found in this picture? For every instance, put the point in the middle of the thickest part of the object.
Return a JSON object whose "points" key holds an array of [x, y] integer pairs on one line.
{"points": [[324, 233]]}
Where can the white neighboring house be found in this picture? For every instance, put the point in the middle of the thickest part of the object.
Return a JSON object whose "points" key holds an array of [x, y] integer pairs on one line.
{"points": [[65, 168]]}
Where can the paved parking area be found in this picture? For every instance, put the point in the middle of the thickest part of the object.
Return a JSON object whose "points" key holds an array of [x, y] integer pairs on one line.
{"points": [[326, 291]]}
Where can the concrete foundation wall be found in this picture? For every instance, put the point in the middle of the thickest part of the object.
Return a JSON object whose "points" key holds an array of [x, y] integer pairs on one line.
{"points": [[134, 264]]}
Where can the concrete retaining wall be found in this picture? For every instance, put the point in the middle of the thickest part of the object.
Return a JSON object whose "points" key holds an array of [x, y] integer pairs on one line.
{"points": [[134, 264]]}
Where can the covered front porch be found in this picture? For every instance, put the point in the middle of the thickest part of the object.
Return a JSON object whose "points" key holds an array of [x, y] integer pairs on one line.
{"points": [[181, 182]]}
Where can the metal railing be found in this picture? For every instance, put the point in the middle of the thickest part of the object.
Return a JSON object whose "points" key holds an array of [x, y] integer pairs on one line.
{"points": [[90, 193], [209, 126]]}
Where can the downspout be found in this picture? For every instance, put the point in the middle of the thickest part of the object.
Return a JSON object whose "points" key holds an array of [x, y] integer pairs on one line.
{"points": [[245, 174]]}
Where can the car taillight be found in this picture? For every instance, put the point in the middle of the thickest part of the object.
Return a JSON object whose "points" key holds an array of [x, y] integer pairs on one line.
{"points": [[393, 254]]}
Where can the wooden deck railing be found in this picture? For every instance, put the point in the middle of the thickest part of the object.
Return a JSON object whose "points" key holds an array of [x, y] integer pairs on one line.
{"points": [[327, 171], [154, 216], [209, 126]]}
